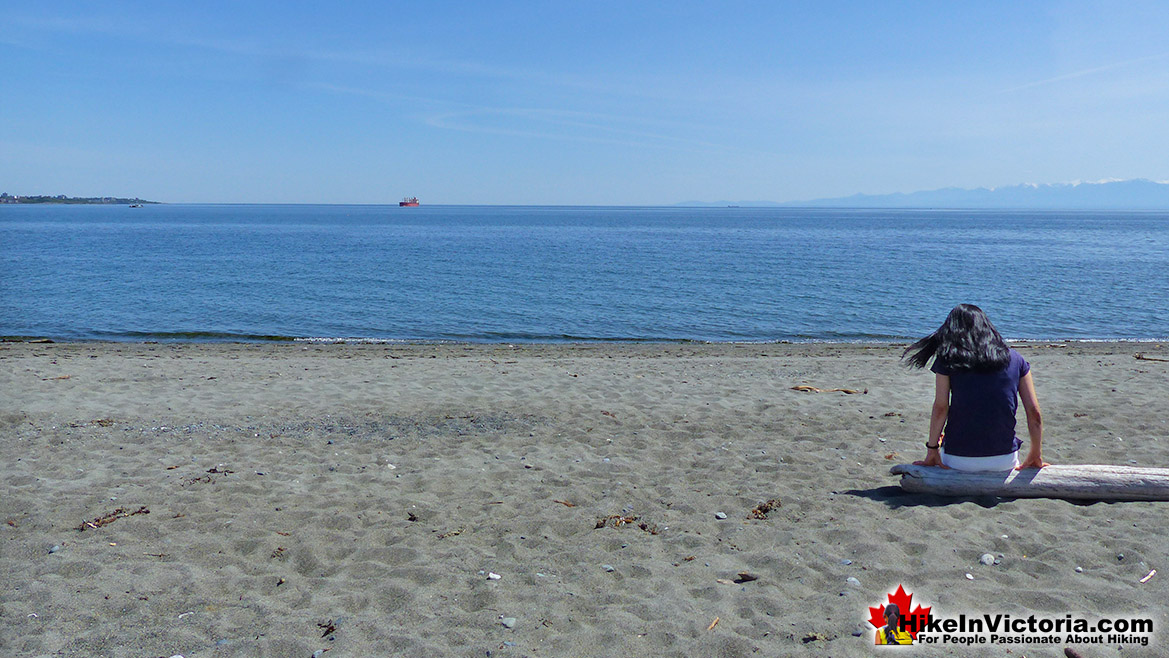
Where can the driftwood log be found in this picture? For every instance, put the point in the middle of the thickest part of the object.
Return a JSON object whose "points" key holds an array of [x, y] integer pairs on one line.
{"points": [[1101, 482]]}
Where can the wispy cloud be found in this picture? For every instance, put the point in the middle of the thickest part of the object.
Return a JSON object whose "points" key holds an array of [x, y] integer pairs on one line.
{"points": [[1085, 72], [544, 123], [561, 124], [388, 59], [343, 58], [382, 96]]}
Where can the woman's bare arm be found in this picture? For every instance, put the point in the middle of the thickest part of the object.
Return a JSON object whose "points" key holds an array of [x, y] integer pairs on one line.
{"points": [[1034, 423], [938, 416]]}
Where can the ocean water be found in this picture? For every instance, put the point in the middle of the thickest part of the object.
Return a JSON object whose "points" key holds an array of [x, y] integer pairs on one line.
{"points": [[510, 274]]}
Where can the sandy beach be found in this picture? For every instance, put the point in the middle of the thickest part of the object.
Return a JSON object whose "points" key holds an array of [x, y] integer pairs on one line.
{"points": [[211, 500]]}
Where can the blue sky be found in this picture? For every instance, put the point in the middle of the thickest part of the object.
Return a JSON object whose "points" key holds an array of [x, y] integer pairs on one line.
{"points": [[575, 103]]}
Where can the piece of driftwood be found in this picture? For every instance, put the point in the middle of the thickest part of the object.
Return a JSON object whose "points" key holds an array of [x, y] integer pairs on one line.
{"points": [[1087, 482], [813, 389]]}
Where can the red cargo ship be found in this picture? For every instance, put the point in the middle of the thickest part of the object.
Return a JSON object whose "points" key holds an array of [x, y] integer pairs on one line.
{"points": [[409, 202]]}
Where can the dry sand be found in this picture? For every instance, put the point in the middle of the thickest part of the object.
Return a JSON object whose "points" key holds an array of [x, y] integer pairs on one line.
{"points": [[355, 499]]}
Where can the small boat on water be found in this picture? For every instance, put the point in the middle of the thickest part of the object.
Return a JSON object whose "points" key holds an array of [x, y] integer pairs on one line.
{"points": [[409, 202], [135, 205]]}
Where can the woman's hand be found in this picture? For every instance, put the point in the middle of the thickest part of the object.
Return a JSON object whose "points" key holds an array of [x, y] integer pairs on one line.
{"points": [[932, 458], [1033, 460]]}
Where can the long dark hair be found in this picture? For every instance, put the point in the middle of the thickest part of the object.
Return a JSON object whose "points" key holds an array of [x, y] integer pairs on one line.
{"points": [[965, 341]]}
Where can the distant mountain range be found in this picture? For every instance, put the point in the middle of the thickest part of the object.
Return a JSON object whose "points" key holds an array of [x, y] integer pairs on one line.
{"points": [[1137, 194]]}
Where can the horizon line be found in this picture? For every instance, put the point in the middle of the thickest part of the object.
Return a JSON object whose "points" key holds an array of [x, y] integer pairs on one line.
{"points": [[698, 205]]}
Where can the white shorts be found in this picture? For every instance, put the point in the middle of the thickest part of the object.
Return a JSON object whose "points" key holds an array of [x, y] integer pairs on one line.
{"points": [[993, 463]]}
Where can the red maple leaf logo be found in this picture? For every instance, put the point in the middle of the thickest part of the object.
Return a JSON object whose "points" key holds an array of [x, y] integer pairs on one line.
{"points": [[912, 622]]}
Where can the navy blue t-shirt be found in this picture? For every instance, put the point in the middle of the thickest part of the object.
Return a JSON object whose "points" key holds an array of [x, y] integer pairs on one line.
{"points": [[982, 409]]}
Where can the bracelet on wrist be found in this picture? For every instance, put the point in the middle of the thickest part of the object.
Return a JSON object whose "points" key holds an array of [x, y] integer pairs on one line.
{"points": [[929, 447]]}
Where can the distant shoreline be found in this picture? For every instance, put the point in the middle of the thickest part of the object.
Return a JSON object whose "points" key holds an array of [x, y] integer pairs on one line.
{"points": [[74, 200]]}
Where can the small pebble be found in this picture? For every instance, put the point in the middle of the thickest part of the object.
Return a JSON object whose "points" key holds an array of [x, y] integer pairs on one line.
{"points": [[853, 581], [508, 622], [858, 632], [846, 562], [608, 567], [1079, 569], [969, 576], [55, 548], [1004, 537], [1120, 557], [720, 515], [318, 653], [494, 576], [987, 559]]}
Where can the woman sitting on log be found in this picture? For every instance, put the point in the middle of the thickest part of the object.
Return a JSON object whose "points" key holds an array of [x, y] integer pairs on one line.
{"points": [[978, 383]]}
